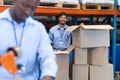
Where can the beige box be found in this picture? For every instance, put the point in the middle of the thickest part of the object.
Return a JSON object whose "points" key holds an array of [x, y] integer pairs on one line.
{"points": [[1, 2], [101, 72], [106, 2], [63, 64], [80, 56], [61, 1], [80, 72], [88, 36], [86, 1], [8, 2], [98, 56]]}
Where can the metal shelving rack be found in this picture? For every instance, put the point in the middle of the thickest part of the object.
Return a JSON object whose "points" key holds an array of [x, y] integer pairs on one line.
{"points": [[71, 12], [114, 37]]}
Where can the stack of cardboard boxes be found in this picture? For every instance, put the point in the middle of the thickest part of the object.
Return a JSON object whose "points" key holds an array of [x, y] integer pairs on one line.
{"points": [[91, 52]]}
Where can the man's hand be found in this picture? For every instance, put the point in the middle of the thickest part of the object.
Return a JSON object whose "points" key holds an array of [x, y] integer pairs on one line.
{"points": [[47, 78]]}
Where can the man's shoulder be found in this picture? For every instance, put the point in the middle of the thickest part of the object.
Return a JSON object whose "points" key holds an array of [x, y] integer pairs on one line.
{"points": [[35, 22], [54, 27], [4, 14]]}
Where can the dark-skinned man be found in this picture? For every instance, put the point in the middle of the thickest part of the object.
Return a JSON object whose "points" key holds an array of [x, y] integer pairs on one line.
{"points": [[60, 38], [19, 29]]}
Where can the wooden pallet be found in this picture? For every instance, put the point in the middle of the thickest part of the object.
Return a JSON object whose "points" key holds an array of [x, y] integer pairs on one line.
{"points": [[106, 6], [71, 6], [6, 2], [59, 5], [50, 4], [90, 6], [117, 74]]}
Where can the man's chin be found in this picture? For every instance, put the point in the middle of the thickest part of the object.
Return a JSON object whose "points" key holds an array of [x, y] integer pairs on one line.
{"points": [[63, 23], [24, 18]]}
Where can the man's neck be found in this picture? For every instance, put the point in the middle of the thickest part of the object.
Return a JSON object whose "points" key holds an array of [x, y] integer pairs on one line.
{"points": [[61, 26]]}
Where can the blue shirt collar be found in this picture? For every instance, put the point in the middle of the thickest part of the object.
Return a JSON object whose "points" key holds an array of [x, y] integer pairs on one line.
{"points": [[6, 15], [58, 27]]}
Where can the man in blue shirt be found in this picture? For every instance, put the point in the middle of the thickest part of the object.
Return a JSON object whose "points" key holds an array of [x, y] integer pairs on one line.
{"points": [[59, 37], [19, 29]]}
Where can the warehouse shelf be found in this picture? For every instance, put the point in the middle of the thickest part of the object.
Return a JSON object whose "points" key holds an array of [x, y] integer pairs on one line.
{"points": [[72, 12]]}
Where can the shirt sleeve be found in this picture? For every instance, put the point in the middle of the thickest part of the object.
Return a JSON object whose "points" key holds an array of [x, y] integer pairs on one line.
{"points": [[46, 56], [51, 36]]}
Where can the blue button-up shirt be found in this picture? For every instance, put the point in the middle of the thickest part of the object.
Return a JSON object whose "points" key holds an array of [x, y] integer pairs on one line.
{"points": [[61, 39], [35, 46]]}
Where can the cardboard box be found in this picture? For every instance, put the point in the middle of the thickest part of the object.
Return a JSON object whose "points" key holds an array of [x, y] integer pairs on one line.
{"points": [[101, 72], [87, 1], [80, 72], [8, 2], [88, 36], [52, 1], [97, 1], [61, 1], [106, 1], [1, 2], [71, 2], [63, 64], [98, 56], [80, 56], [118, 2]]}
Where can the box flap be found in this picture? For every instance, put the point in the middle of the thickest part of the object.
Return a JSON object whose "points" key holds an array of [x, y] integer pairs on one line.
{"points": [[72, 28], [70, 48], [66, 51], [97, 27], [61, 52]]}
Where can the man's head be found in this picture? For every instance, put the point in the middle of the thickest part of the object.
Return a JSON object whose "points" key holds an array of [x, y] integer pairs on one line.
{"points": [[23, 9], [62, 18]]}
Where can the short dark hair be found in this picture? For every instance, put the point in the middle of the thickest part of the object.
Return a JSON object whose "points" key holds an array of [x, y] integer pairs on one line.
{"points": [[61, 14]]}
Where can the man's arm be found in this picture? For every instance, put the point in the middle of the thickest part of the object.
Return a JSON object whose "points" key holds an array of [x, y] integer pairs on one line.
{"points": [[51, 36], [46, 57]]}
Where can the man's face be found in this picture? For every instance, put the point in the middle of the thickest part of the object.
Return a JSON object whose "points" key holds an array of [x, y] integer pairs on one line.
{"points": [[62, 20], [24, 8]]}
